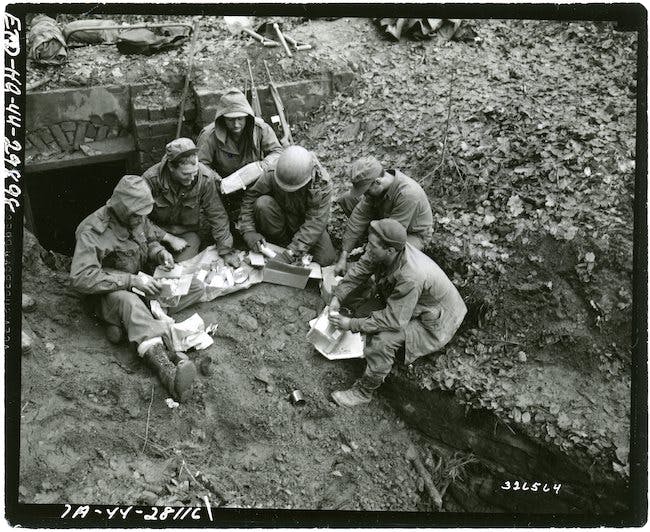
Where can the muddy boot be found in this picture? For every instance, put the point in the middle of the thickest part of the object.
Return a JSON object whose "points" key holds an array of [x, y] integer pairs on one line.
{"points": [[114, 334], [177, 356], [176, 379], [360, 393]]}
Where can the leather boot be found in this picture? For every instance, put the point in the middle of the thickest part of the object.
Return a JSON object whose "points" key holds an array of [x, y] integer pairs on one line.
{"points": [[114, 334], [176, 379], [360, 393]]}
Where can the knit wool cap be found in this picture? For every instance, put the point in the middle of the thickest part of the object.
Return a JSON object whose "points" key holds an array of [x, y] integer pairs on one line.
{"points": [[390, 231], [364, 171], [179, 147], [131, 195]]}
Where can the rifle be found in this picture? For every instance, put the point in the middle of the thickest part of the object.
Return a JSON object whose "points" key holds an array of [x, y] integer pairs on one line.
{"points": [[181, 114], [255, 100], [286, 139]]}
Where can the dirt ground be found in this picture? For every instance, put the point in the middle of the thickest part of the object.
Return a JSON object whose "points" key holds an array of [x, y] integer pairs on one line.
{"points": [[533, 207]]}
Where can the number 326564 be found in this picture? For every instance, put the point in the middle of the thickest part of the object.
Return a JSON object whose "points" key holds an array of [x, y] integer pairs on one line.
{"points": [[543, 487]]}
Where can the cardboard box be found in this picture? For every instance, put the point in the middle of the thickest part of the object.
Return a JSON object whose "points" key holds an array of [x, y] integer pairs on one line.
{"points": [[285, 274]]}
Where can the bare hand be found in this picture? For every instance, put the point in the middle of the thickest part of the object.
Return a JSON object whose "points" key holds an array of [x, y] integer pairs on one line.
{"points": [[166, 259], [341, 266], [232, 259], [148, 286], [176, 243], [341, 322]]}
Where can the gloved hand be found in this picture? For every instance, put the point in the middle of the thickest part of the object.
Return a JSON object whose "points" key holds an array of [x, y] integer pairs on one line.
{"points": [[253, 240], [232, 259]]}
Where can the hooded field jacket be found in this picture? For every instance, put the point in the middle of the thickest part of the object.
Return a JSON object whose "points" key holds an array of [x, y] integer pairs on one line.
{"points": [[307, 210], [178, 209], [420, 300], [107, 252], [404, 201], [219, 150]]}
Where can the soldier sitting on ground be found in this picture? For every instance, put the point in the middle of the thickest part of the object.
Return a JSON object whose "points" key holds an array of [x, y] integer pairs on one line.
{"points": [[379, 193], [185, 197], [413, 306], [113, 244], [290, 206], [237, 137]]}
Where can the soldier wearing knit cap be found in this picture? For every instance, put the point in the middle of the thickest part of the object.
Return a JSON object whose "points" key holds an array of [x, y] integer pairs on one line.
{"points": [[410, 304], [113, 244], [377, 194]]}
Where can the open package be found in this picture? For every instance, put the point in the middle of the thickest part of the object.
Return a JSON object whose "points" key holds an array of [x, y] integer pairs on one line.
{"points": [[295, 275], [191, 333], [333, 343], [218, 278]]}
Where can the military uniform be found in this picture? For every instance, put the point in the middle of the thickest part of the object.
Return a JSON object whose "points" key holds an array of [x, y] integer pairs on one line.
{"points": [[421, 309], [295, 220], [182, 211], [221, 152], [404, 201], [107, 255]]}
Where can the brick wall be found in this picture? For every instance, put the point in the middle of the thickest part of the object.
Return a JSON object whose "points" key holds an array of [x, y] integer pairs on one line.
{"points": [[154, 125]]}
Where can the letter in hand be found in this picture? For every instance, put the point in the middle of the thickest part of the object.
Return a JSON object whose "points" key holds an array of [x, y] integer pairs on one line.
{"points": [[146, 284], [339, 321]]}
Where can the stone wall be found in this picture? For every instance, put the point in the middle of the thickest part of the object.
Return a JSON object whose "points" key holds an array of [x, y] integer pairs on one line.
{"points": [[63, 122], [59, 122]]}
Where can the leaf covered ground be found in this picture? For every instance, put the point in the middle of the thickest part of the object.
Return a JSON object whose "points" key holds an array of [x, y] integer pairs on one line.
{"points": [[533, 198]]}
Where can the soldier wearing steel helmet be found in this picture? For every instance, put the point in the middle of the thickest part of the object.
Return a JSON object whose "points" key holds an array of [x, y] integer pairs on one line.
{"points": [[290, 206]]}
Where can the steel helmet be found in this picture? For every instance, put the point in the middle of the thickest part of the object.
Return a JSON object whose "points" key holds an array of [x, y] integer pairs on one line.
{"points": [[294, 168]]}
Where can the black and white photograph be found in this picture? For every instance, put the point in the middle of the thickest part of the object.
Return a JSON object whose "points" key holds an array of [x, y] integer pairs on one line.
{"points": [[317, 265]]}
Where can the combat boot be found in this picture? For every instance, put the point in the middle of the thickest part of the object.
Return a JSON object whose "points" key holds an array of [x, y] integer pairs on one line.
{"points": [[114, 334], [360, 393], [176, 379]]}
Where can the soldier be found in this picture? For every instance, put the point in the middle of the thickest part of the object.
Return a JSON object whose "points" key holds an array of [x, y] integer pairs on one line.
{"points": [[415, 306], [237, 137], [113, 244], [185, 196], [291, 207], [385, 194]]}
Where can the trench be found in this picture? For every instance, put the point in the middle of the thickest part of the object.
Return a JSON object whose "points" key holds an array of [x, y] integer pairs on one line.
{"points": [[69, 193]]}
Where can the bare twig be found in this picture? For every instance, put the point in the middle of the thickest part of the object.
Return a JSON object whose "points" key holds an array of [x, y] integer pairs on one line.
{"points": [[496, 341], [413, 456], [39, 83], [146, 432], [444, 142]]}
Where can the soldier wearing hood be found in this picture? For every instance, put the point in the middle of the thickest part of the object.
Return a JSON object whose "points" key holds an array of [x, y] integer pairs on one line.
{"points": [[186, 197], [113, 244], [237, 137]]}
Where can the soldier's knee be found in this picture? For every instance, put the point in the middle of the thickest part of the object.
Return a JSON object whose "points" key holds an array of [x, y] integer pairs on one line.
{"points": [[122, 298], [264, 203]]}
